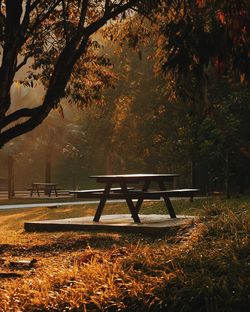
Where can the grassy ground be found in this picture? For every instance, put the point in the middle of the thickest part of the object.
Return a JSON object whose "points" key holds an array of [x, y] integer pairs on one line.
{"points": [[33, 200], [202, 267]]}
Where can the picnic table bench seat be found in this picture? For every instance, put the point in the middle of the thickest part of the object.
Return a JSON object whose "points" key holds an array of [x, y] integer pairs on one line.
{"points": [[97, 193], [150, 194], [135, 194]]}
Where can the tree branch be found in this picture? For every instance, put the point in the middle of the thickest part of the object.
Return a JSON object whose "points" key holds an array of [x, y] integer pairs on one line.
{"points": [[84, 9], [26, 18], [107, 7], [72, 53], [21, 113], [34, 5], [24, 62], [65, 18], [1, 14], [12, 39], [38, 116], [42, 16], [92, 28]]}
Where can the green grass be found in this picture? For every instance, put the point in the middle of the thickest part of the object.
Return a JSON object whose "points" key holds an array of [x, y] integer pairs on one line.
{"points": [[202, 267]]}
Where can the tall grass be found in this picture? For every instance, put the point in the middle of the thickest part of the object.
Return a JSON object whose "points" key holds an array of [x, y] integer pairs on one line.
{"points": [[203, 267]]}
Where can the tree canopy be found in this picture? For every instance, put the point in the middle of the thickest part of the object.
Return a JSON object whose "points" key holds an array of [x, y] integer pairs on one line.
{"points": [[53, 43], [206, 32]]}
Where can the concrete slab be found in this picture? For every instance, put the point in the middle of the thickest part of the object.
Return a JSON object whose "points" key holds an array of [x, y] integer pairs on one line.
{"points": [[150, 224]]}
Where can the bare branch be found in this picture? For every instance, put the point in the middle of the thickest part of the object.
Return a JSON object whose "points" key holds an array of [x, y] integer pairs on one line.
{"points": [[83, 14], [26, 18], [10, 51], [65, 18], [24, 62], [37, 116], [106, 17], [34, 5], [42, 16], [21, 113], [107, 7]]}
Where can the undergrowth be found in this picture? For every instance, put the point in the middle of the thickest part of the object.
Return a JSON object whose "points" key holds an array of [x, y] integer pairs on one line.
{"points": [[204, 266]]}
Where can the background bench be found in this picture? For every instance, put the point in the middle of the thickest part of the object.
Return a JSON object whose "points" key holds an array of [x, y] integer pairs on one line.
{"points": [[47, 188]]}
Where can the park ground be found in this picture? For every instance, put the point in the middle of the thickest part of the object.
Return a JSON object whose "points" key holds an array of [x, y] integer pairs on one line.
{"points": [[200, 267]]}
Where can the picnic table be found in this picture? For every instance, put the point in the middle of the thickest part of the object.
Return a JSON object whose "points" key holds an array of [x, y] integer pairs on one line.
{"points": [[129, 193], [46, 187]]}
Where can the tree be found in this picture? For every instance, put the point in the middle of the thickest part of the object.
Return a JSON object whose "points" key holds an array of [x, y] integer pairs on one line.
{"points": [[200, 45], [201, 42], [55, 39], [199, 33], [126, 116]]}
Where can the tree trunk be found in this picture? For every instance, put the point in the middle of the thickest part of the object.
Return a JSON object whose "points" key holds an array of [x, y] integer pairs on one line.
{"points": [[193, 173], [11, 192], [242, 184], [227, 189]]}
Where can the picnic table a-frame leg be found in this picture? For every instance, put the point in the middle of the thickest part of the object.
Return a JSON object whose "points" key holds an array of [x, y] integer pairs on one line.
{"points": [[167, 200], [55, 190], [34, 188], [102, 202], [129, 202], [140, 200]]}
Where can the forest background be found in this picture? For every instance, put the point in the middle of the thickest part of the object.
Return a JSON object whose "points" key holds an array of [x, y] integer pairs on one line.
{"points": [[146, 120]]}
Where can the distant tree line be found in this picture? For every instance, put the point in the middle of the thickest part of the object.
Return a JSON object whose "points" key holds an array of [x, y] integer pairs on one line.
{"points": [[179, 97]]}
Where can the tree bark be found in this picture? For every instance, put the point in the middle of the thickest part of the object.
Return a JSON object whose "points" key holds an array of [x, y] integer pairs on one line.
{"points": [[193, 173], [11, 192]]}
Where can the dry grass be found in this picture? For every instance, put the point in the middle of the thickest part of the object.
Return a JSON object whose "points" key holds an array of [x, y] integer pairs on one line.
{"points": [[203, 267]]}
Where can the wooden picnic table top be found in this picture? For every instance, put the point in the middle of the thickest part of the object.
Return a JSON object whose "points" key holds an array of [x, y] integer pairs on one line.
{"points": [[135, 177]]}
